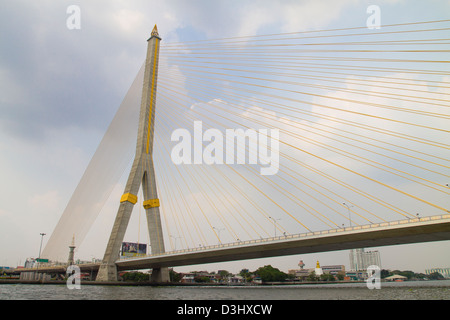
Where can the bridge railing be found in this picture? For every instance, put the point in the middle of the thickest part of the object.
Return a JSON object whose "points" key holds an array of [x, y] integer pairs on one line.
{"points": [[296, 236]]}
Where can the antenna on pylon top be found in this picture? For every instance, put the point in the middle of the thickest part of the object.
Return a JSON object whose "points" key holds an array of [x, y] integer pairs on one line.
{"points": [[155, 31]]}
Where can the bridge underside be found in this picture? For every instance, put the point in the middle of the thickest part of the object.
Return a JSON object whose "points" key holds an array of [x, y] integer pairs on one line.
{"points": [[363, 238]]}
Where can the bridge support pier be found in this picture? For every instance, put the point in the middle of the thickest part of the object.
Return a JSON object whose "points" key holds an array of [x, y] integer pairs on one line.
{"points": [[160, 275], [35, 276], [107, 272]]}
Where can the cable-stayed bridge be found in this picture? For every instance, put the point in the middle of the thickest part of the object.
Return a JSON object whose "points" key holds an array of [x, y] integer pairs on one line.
{"points": [[362, 121], [435, 228]]}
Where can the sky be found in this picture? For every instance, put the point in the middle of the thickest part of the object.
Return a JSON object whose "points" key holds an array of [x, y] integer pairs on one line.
{"points": [[60, 89]]}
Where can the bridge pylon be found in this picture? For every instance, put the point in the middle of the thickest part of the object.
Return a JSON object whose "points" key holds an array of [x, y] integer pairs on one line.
{"points": [[142, 172]]}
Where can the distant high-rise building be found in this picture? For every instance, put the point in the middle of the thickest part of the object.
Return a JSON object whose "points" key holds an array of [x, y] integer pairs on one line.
{"points": [[445, 272], [373, 258], [360, 260]]}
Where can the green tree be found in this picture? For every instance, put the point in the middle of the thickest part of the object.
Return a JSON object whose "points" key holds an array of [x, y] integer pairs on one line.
{"points": [[312, 276], [326, 277], [340, 276], [291, 276], [246, 274], [409, 274], [270, 274], [435, 276], [136, 276], [175, 276], [420, 276], [202, 279], [385, 273], [224, 274]]}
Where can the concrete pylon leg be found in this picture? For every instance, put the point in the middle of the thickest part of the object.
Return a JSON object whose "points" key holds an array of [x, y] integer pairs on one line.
{"points": [[108, 270], [143, 172], [151, 205]]}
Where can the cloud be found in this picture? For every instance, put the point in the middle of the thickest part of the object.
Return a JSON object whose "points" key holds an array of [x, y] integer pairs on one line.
{"points": [[309, 15], [46, 201], [224, 18], [78, 77]]}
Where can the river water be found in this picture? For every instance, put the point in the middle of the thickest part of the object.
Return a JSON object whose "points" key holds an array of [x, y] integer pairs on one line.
{"points": [[408, 290]]}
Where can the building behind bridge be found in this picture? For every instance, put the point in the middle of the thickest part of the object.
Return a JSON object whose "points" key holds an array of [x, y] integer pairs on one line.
{"points": [[360, 260], [445, 272], [303, 274]]}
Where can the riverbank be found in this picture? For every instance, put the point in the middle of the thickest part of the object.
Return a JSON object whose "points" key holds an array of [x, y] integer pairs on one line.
{"points": [[179, 284], [412, 290]]}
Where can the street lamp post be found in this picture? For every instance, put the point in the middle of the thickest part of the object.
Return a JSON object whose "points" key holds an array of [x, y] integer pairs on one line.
{"points": [[274, 225], [348, 207], [175, 241], [40, 247], [218, 230], [39, 257]]}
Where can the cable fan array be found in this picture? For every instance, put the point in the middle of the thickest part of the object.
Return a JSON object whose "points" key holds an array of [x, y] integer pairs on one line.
{"points": [[362, 116]]}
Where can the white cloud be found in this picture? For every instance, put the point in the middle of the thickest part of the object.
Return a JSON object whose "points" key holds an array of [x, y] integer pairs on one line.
{"points": [[128, 21], [307, 15], [45, 201]]}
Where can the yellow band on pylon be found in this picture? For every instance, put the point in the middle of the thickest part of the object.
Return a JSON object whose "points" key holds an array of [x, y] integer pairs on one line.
{"points": [[155, 55], [152, 203], [129, 197]]}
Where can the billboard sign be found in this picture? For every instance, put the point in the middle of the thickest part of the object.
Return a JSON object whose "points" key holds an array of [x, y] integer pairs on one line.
{"points": [[133, 249]]}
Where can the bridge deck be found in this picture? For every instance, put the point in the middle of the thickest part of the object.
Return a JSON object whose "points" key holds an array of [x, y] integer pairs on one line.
{"points": [[435, 228]]}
